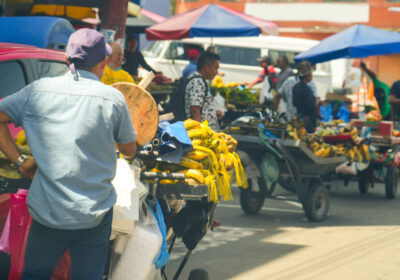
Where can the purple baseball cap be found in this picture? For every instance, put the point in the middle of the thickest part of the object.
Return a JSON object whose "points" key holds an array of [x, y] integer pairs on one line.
{"points": [[88, 45]]}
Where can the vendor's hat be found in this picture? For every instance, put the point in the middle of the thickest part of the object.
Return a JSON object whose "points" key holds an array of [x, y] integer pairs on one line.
{"points": [[87, 45], [305, 68], [265, 58], [193, 54]]}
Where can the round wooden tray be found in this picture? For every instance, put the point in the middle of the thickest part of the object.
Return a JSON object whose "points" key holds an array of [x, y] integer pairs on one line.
{"points": [[143, 110]]}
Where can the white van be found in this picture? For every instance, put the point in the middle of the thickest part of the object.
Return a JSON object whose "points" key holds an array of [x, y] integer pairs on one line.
{"points": [[238, 57]]}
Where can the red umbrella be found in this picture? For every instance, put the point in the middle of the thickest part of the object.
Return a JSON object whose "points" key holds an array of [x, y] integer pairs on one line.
{"points": [[210, 21]]}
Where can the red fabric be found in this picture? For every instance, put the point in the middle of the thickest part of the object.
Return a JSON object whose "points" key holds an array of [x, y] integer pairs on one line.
{"points": [[20, 222], [177, 27]]}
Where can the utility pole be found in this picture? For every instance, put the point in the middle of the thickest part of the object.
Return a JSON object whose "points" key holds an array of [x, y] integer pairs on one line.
{"points": [[113, 17]]}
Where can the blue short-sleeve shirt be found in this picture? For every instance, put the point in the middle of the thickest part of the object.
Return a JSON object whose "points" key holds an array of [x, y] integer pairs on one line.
{"points": [[71, 125]]}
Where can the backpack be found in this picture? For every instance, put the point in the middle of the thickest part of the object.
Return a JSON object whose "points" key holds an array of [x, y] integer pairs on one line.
{"points": [[176, 103]]}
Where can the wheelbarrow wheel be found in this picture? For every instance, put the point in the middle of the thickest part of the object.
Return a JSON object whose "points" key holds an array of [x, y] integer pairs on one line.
{"points": [[316, 204], [251, 201], [391, 182], [198, 274]]}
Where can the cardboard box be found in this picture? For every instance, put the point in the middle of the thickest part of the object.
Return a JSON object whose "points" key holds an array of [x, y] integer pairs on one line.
{"points": [[383, 128]]}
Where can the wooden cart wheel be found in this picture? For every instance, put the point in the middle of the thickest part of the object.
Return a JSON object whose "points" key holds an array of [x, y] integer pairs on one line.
{"points": [[316, 204], [251, 201], [391, 182]]}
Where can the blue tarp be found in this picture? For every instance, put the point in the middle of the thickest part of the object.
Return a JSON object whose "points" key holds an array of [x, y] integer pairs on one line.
{"points": [[43, 32], [354, 42]]}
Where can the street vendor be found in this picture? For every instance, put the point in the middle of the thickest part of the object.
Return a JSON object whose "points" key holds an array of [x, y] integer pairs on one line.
{"points": [[303, 97], [285, 93], [394, 100], [381, 92], [193, 56], [265, 62], [198, 99], [134, 58], [71, 123], [113, 73]]}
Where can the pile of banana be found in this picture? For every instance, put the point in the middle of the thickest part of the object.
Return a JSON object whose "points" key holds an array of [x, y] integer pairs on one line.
{"points": [[212, 161], [359, 153], [354, 151]]}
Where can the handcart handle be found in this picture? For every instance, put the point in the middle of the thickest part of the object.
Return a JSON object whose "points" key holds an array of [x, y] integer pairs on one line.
{"points": [[162, 175]]}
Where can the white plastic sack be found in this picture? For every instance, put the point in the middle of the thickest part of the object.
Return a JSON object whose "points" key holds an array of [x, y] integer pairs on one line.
{"points": [[133, 256], [347, 169], [265, 93], [219, 104], [129, 189]]}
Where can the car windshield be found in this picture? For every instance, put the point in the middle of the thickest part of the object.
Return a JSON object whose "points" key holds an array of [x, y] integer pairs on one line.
{"points": [[238, 55], [154, 50]]}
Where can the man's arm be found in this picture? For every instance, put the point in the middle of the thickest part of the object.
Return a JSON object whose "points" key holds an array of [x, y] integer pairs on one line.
{"points": [[10, 149], [371, 74], [393, 99], [144, 64], [127, 149], [195, 113], [253, 83]]}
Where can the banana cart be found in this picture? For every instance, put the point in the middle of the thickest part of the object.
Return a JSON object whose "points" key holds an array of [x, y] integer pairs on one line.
{"points": [[294, 166], [384, 166]]}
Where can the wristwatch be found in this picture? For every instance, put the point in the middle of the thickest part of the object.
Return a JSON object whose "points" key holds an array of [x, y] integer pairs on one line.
{"points": [[20, 160]]}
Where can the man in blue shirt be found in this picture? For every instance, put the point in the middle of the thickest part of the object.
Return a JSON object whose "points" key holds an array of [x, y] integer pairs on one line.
{"points": [[71, 123], [193, 55]]}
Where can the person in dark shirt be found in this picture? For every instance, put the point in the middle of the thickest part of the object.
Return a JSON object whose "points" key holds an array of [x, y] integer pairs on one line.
{"points": [[394, 100], [134, 58], [303, 97]]}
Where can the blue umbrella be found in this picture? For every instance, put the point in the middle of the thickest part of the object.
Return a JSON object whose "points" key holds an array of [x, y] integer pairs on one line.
{"points": [[354, 42]]}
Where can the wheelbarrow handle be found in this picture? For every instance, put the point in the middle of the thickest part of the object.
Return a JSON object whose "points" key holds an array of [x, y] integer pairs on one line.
{"points": [[264, 140]]}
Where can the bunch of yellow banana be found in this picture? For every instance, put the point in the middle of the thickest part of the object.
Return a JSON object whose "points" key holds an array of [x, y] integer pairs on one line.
{"points": [[359, 153], [216, 152]]}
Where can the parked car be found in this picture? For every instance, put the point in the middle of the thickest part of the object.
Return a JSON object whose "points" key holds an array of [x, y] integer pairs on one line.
{"points": [[239, 57], [19, 66]]}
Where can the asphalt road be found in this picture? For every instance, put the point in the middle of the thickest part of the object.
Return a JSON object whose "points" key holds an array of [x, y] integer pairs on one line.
{"points": [[360, 239]]}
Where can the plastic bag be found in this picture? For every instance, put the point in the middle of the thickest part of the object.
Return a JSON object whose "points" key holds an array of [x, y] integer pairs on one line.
{"points": [[129, 190], [347, 169], [343, 113], [20, 222], [219, 103], [326, 112], [5, 236], [265, 93], [132, 256], [127, 205], [163, 257]]}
